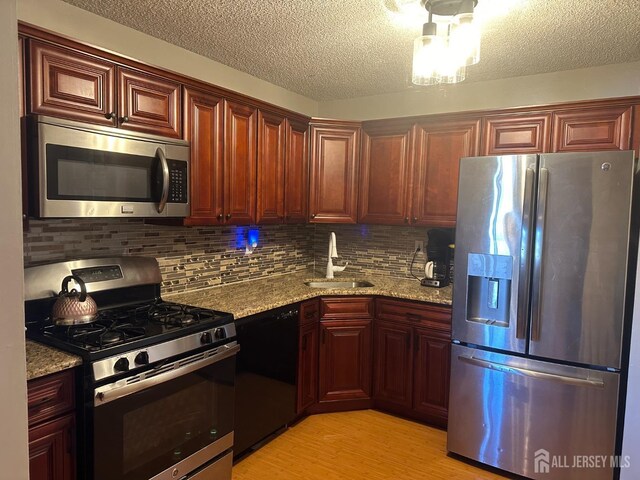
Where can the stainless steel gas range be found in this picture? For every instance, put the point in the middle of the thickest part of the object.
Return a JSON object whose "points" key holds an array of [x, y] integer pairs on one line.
{"points": [[156, 396]]}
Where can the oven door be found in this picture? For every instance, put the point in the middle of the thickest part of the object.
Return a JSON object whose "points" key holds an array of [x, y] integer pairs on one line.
{"points": [[166, 422]]}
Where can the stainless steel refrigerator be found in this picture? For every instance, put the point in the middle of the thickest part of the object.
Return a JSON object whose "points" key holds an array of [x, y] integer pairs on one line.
{"points": [[541, 270]]}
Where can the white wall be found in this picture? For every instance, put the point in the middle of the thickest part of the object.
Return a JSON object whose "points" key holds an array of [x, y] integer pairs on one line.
{"points": [[76, 23], [585, 84], [631, 441], [13, 409]]}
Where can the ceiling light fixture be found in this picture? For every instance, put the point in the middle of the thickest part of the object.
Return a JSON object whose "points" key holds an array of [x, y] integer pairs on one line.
{"points": [[444, 58]]}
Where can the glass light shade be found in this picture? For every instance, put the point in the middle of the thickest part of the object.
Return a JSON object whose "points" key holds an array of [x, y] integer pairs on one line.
{"points": [[453, 74], [464, 39], [428, 51]]}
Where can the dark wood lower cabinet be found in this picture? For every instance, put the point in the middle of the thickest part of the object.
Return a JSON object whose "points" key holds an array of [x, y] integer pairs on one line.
{"points": [[50, 401], [393, 364], [51, 450], [412, 360], [307, 360], [431, 375], [345, 360]]}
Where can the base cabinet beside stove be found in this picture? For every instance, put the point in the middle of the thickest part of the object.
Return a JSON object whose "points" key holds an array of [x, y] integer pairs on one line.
{"points": [[52, 425]]}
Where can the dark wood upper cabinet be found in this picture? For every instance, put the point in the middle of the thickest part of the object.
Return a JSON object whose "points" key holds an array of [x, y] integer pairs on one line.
{"points": [[148, 103], [65, 83], [271, 163], [516, 134], [296, 172], [439, 148], [393, 364], [333, 189], [385, 176], [592, 128], [239, 163], [203, 119]]}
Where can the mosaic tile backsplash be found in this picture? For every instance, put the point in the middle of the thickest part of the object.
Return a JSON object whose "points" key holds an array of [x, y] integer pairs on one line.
{"points": [[371, 249], [189, 257], [199, 257]]}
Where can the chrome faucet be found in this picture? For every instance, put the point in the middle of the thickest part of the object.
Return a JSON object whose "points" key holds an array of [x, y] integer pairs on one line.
{"points": [[333, 253]]}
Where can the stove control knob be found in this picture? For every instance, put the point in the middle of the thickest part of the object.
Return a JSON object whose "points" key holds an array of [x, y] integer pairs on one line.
{"points": [[142, 358], [219, 333], [121, 365], [206, 338]]}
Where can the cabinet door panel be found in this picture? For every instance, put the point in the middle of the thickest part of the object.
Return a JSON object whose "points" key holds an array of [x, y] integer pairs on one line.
{"points": [[296, 172], [431, 380], [345, 360], [240, 163], [384, 177], [393, 366], [591, 129], [334, 169], [308, 366], [148, 103], [440, 146], [51, 450], [270, 192], [203, 129], [65, 83], [516, 134]]}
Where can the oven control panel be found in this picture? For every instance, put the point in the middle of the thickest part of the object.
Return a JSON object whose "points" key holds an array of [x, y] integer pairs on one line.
{"points": [[144, 357]]}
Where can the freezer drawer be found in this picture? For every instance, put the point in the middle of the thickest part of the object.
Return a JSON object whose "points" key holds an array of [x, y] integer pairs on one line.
{"points": [[504, 410]]}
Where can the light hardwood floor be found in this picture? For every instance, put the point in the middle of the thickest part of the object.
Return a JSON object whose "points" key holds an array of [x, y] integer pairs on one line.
{"points": [[360, 445]]}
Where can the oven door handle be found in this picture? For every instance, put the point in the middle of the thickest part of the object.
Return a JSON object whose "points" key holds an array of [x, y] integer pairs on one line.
{"points": [[121, 388]]}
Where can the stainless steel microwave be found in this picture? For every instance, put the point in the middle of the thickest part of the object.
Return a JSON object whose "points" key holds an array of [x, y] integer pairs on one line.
{"points": [[80, 170]]}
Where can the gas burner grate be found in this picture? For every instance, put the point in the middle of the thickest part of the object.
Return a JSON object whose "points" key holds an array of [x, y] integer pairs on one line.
{"points": [[102, 333]]}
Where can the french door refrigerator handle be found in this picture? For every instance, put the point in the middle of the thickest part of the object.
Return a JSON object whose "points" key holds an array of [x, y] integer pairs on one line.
{"points": [[536, 291], [526, 372], [525, 256]]}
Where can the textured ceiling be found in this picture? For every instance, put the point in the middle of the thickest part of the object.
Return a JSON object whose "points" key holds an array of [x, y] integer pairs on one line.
{"points": [[333, 49]]}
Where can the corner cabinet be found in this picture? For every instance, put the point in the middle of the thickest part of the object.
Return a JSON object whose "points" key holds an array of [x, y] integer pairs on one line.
{"points": [[385, 175], [345, 353], [439, 146], [50, 402], [333, 188]]}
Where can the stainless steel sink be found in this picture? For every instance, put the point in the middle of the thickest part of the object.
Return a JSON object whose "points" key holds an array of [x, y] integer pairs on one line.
{"points": [[338, 284]]}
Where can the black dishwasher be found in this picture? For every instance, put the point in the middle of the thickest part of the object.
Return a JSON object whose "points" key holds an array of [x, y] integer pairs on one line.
{"points": [[266, 368]]}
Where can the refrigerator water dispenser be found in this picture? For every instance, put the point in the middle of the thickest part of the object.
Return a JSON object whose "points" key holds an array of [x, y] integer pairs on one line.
{"points": [[489, 288]]}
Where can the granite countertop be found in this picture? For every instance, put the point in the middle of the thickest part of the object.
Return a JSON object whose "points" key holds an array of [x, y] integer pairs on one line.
{"points": [[256, 296], [43, 360]]}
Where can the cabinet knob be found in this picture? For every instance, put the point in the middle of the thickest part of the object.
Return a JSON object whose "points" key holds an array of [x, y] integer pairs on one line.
{"points": [[228, 217], [414, 219], [110, 115], [406, 219], [219, 217], [24, 216], [313, 215], [124, 119]]}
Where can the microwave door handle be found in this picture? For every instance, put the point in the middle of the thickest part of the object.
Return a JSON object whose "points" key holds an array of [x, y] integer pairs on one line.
{"points": [[165, 180]]}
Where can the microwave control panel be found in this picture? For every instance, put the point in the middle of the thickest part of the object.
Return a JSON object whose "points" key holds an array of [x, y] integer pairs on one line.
{"points": [[178, 181]]}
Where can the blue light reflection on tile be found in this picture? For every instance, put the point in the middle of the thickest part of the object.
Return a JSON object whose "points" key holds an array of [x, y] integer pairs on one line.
{"points": [[240, 237], [253, 236]]}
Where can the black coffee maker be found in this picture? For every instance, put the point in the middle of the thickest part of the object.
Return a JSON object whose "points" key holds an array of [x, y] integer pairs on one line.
{"points": [[437, 269]]}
